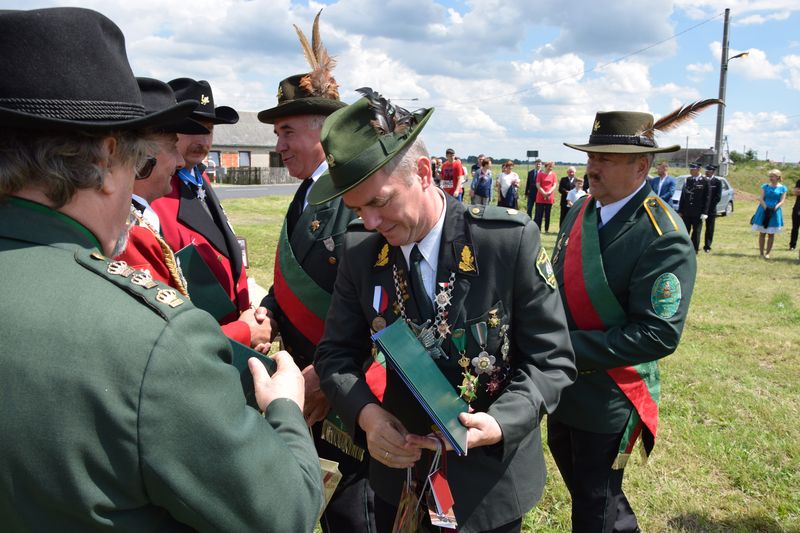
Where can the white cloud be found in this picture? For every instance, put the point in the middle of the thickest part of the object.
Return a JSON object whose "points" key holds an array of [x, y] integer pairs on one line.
{"points": [[700, 68], [791, 65], [762, 19]]}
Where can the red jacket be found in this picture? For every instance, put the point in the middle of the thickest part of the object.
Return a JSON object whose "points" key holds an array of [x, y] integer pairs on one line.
{"points": [[144, 252], [184, 221]]}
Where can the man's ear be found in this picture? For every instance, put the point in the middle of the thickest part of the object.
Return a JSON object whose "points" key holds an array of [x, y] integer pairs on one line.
{"points": [[424, 171], [108, 149]]}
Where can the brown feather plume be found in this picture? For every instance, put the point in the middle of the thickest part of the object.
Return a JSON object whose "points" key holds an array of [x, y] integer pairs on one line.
{"points": [[680, 116], [320, 81]]}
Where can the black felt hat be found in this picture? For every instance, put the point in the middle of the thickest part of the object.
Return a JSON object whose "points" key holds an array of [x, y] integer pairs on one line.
{"points": [[157, 97], [200, 90], [66, 68], [294, 100]]}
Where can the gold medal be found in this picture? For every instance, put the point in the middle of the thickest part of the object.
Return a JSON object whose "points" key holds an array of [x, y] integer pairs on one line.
{"points": [[378, 323]]}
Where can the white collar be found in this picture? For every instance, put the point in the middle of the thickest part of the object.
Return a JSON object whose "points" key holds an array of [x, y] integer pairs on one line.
{"points": [[148, 214], [320, 170], [608, 211], [429, 246]]}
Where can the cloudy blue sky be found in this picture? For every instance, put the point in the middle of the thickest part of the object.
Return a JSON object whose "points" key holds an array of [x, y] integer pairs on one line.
{"points": [[505, 76]]}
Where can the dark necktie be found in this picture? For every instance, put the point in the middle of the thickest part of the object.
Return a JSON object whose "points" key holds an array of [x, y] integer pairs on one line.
{"points": [[296, 207], [423, 301]]}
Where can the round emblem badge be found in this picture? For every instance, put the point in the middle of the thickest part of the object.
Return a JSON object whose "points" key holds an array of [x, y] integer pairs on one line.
{"points": [[665, 296]]}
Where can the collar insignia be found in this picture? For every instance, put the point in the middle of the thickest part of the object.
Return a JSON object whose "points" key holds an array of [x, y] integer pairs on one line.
{"points": [[545, 269], [466, 262], [314, 225], [383, 256], [331, 160]]}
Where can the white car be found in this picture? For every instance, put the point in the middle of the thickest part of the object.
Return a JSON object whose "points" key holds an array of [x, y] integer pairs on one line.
{"points": [[725, 205]]}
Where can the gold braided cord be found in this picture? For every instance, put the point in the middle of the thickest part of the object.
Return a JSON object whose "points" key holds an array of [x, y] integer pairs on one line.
{"points": [[175, 273]]}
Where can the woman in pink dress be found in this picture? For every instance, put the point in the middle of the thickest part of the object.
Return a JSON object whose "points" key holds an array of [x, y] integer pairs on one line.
{"points": [[546, 182]]}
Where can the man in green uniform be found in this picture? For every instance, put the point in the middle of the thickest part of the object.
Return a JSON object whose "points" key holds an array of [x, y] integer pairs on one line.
{"points": [[478, 283], [119, 410], [308, 255], [625, 268]]}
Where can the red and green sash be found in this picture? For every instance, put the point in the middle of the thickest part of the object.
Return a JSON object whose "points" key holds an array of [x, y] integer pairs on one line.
{"points": [[306, 304], [303, 302], [593, 306]]}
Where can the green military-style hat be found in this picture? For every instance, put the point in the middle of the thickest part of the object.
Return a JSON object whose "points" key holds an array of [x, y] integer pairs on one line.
{"points": [[360, 139], [312, 93], [623, 132]]}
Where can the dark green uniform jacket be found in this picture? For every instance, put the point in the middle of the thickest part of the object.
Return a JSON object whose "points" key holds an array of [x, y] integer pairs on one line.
{"points": [[492, 485], [118, 410], [634, 257], [317, 245]]}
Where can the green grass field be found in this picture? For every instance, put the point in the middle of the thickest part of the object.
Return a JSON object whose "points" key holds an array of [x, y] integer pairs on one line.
{"points": [[728, 454]]}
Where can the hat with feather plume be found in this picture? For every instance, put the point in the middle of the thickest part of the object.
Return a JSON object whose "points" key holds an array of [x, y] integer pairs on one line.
{"points": [[312, 93], [630, 132], [362, 138]]}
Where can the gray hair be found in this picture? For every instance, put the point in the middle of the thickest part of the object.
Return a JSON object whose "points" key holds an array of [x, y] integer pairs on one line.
{"points": [[315, 122], [405, 162], [61, 163]]}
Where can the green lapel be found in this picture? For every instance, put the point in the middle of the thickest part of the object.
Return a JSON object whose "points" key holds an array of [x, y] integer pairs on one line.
{"points": [[315, 224]]}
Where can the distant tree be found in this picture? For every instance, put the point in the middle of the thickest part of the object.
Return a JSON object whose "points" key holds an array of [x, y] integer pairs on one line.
{"points": [[736, 158], [751, 155]]}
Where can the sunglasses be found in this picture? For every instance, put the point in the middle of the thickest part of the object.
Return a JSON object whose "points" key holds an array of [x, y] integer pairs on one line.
{"points": [[143, 172]]}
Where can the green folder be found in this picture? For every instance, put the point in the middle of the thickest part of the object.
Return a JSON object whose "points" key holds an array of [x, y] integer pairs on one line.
{"points": [[427, 383], [204, 289], [241, 354]]}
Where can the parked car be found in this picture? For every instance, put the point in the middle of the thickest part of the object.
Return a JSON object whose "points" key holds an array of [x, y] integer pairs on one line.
{"points": [[725, 205]]}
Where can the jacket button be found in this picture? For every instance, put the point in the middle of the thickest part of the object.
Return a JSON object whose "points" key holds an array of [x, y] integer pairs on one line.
{"points": [[332, 260], [219, 258]]}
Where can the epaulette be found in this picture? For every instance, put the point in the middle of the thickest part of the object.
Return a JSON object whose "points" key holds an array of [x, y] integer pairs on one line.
{"points": [[164, 300], [503, 214], [661, 216]]}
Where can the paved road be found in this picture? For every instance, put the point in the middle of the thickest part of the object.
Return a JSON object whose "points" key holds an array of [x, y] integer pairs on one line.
{"points": [[225, 192]]}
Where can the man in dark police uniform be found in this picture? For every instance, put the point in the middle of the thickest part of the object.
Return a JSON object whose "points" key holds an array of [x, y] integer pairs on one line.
{"points": [[626, 271], [119, 409], [308, 254], [481, 281], [693, 204]]}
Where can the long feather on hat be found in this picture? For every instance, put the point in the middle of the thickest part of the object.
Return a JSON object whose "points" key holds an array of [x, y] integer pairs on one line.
{"points": [[680, 116], [388, 117], [319, 82]]}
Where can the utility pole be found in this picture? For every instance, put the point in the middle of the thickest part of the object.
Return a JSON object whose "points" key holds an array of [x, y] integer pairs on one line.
{"points": [[723, 76]]}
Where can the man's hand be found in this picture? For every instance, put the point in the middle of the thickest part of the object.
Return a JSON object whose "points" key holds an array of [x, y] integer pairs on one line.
{"points": [[482, 430], [286, 382], [260, 330], [317, 406], [386, 438]]}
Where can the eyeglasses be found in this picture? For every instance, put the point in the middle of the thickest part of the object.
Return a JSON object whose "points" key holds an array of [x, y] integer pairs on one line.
{"points": [[143, 172]]}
